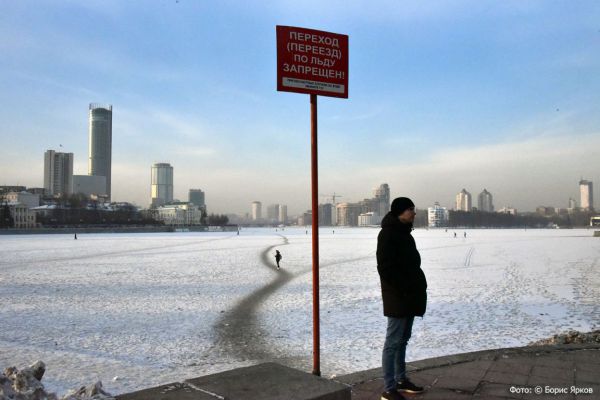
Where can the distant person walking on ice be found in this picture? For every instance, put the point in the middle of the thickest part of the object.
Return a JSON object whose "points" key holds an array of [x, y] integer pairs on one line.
{"points": [[278, 257], [75, 236], [404, 292]]}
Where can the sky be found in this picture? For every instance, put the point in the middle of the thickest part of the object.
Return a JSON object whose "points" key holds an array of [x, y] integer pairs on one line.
{"points": [[443, 95]]}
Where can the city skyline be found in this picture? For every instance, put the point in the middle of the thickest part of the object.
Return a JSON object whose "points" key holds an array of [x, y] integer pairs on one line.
{"points": [[162, 192], [474, 96]]}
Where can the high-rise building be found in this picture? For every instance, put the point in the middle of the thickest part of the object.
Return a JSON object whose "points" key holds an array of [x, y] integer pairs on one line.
{"points": [[276, 213], [437, 216], [283, 217], [100, 143], [305, 219], [572, 203], [369, 219], [256, 210], [273, 213], [326, 213], [58, 173], [347, 213], [196, 197], [586, 189], [485, 201], [464, 201], [161, 184], [382, 194]]}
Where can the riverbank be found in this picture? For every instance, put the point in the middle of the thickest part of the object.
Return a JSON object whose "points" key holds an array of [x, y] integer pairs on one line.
{"points": [[536, 371], [118, 229]]}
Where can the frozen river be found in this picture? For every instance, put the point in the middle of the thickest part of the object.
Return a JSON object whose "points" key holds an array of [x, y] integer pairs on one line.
{"points": [[136, 310]]}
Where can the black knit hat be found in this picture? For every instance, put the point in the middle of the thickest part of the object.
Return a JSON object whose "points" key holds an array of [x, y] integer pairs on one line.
{"points": [[401, 204]]}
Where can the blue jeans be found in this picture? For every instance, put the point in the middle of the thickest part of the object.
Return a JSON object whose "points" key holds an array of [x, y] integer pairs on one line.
{"points": [[394, 351]]}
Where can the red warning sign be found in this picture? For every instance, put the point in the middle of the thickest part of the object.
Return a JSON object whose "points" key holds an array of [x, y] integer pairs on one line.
{"points": [[311, 61]]}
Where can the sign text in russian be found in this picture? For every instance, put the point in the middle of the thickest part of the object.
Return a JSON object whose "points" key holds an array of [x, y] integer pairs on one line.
{"points": [[311, 61]]}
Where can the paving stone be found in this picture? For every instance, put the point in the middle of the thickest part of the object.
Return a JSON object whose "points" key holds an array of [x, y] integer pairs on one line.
{"points": [[551, 362], [585, 366], [543, 381], [360, 376], [358, 394], [423, 378], [552, 366], [270, 381], [587, 356], [506, 378], [515, 366], [553, 373], [587, 376], [480, 364], [172, 391], [371, 385], [462, 383], [440, 371], [500, 390], [474, 370]]}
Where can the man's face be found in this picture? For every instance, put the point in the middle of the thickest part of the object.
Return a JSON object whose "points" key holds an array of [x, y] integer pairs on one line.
{"points": [[408, 216]]}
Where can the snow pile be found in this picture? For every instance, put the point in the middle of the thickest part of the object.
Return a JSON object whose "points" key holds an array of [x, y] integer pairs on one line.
{"points": [[26, 385], [570, 337]]}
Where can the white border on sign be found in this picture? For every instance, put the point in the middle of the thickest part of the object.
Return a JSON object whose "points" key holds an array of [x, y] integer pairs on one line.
{"points": [[313, 85]]}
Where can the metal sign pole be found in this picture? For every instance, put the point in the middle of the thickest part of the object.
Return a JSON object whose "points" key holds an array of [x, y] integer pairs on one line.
{"points": [[316, 63], [315, 235]]}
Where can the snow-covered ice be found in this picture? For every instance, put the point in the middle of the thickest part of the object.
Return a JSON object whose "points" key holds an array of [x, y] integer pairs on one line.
{"points": [[156, 308]]}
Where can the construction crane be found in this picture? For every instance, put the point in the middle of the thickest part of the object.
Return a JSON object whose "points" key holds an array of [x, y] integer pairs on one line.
{"points": [[331, 196]]}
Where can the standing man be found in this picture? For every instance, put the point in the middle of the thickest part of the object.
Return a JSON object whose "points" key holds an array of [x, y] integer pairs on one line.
{"points": [[404, 292]]}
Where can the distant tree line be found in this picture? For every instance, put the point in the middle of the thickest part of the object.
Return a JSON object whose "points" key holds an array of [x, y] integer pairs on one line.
{"points": [[218, 219], [578, 218], [6, 219], [79, 216], [481, 219]]}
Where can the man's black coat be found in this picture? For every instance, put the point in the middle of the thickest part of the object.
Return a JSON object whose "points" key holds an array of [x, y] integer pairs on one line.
{"points": [[403, 283]]}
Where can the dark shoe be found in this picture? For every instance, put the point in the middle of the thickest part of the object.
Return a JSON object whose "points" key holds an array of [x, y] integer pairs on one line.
{"points": [[392, 396], [408, 387]]}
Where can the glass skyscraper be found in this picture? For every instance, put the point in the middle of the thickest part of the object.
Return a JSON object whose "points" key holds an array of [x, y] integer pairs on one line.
{"points": [[161, 184], [100, 143]]}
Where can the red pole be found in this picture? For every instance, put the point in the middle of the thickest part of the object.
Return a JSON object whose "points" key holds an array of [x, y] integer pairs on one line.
{"points": [[315, 235]]}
